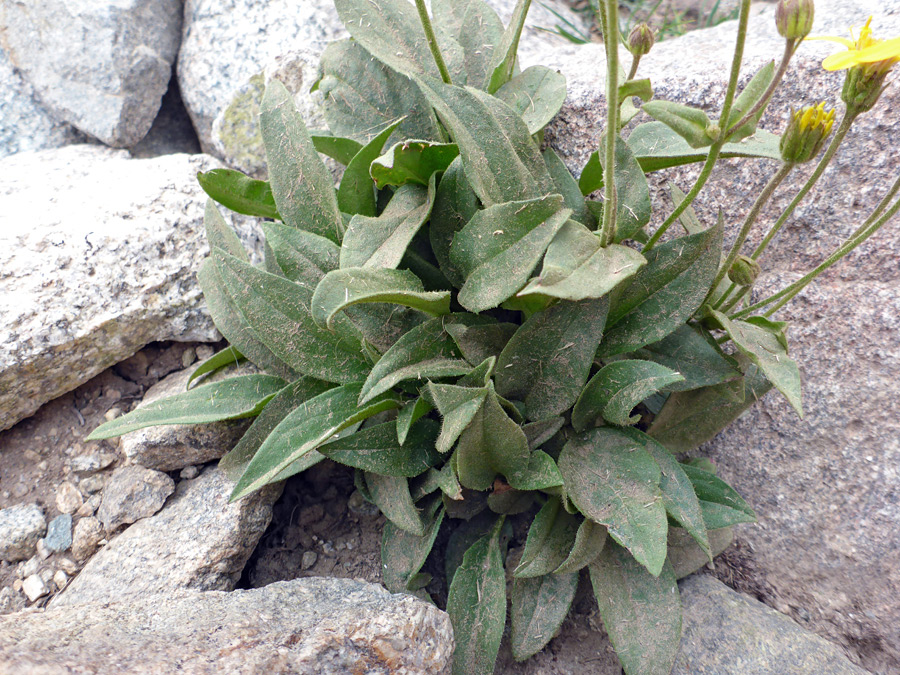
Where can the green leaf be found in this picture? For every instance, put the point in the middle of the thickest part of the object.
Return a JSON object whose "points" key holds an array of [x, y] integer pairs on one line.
{"points": [[763, 342], [478, 343], [640, 88], [426, 351], [477, 606], [689, 123], [548, 360], [476, 27], [279, 311], [688, 217], [403, 554], [691, 418], [412, 162], [538, 606], [302, 256], [616, 389], [302, 186], [614, 481], [499, 247], [240, 193], [567, 186], [693, 352], [664, 293], [221, 359], [641, 612], [536, 94], [658, 147], [589, 542], [500, 159], [540, 473], [220, 235], [491, 444], [340, 149], [550, 538], [409, 414], [686, 555], [458, 406], [391, 496], [362, 95], [304, 429], [234, 398], [356, 193], [503, 60], [381, 241], [754, 90], [344, 288], [721, 505], [235, 462], [539, 433], [577, 267], [454, 205], [377, 449]]}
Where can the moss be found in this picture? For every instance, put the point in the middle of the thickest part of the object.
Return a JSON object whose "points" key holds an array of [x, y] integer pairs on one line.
{"points": [[237, 129]]}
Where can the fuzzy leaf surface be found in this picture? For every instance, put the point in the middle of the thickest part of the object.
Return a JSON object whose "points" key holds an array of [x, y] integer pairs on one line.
{"points": [[240, 193], [538, 607], [722, 506], [403, 554], [550, 539], [376, 449], [391, 496], [477, 29], [693, 352], [536, 94], [412, 162], [454, 205], [589, 542], [356, 193]]}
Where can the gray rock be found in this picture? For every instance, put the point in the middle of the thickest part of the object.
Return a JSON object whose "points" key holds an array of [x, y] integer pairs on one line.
{"points": [[24, 123], [726, 633], [86, 540], [132, 493], [172, 131], [825, 488], [59, 533], [92, 462], [105, 266], [173, 447], [197, 541], [20, 528], [101, 67], [322, 626], [68, 498]]}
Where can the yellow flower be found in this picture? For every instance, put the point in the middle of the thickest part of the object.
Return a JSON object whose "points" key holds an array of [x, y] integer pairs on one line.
{"points": [[864, 50]]}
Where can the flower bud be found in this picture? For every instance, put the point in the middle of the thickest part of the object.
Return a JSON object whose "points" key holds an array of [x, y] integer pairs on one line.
{"points": [[641, 40], [713, 131], [744, 271], [806, 133], [794, 18]]}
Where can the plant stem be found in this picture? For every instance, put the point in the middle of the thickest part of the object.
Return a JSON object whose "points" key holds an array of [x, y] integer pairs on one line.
{"points": [[716, 147], [432, 41], [790, 47], [735, 300], [811, 181], [788, 293], [764, 197], [635, 60], [728, 291], [611, 38]]}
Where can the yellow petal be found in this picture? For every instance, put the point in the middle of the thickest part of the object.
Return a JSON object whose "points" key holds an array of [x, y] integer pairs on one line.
{"points": [[841, 60], [883, 50], [849, 44]]}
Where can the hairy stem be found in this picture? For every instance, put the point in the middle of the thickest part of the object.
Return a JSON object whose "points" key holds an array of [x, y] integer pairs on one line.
{"points": [[611, 38], [790, 47], [432, 41]]}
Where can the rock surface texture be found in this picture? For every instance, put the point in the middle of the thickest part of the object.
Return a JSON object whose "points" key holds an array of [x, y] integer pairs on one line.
{"points": [[106, 265], [344, 627], [20, 528], [726, 633], [102, 67], [132, 493], [826, 488], [198, 541]]}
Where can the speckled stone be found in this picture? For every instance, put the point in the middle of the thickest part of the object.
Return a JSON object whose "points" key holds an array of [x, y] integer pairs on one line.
{"points": [[726, 633], [198, 541], [322, 626], [59, 533], [20, 528], [132, 493], [105, 266]]}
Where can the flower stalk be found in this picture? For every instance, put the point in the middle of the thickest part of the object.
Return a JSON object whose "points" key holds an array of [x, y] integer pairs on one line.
{"points": [[432, 41]]}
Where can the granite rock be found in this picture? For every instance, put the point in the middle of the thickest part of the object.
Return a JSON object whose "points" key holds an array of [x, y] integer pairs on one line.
{"points": [[322, 626], [106, 265], [132, 493], [174, 447], [198, 541], [102, 67], [726, 633], [86, 538], [20, 528]]}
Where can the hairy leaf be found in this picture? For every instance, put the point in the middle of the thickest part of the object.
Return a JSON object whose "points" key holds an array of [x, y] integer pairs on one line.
{"points": [[550, 539], [240, 193], [536, 94], [689, 123], [454, 205], [391, 496], [356, 193], [377, 449], [685, 553], [722, 506], [503, 60], [589, 542], [220, 359], [412, 162], [754, 90], [458, 406], [403, 554], [409, 414], [477, 29], [693, 352], [302, 256], [537, 609]]}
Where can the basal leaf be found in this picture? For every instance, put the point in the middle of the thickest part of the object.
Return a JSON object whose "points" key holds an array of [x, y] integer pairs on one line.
{"points": [[391, 495], [302, 186], [722, 506], [240, 193], [220, 235], [589, 542], [503, 60], [304, 429], [303, 257], [641, 612], [412, 162], [547, 361], [409, 414], [476, 27], [567, 186], [686, 555], [220, 359], [539, 433], [536, 94], [478, 343], [234, 398], [454, 205], [339, 148], [616, 389], [614, 481], [344, 288], [693, 352], [377, 449], [550, 538], [356, 193], [540, 473], [403, 554], [499, 247], [458, 406], [537, 609], [664, 293]]}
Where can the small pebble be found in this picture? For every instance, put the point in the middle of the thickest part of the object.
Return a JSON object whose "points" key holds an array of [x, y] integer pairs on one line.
{"points": [[89, 507], [20, 528], [43, 465], [308, 560], [93, 462], [19, 490], [17, 585], [46, 575], [31, 567], [92, 484], [188, 356], [59, 533], [68, 498], [204, 352], [112, 413], [86, 539], [60, 579], [42, 550], [31, 456], [189, 472], [67, 565], [112, 394], [34, 587]]}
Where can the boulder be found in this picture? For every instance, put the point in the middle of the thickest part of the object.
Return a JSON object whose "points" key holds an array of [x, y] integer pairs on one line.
{"points": [[102, 67], [322, 626], [99, 254]]}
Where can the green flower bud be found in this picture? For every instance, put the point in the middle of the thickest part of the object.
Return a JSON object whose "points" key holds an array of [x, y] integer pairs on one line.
{"points": [[744, 271], [806, 133], [641, 39], [713, 131], [863, 86], [794, 18]]}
